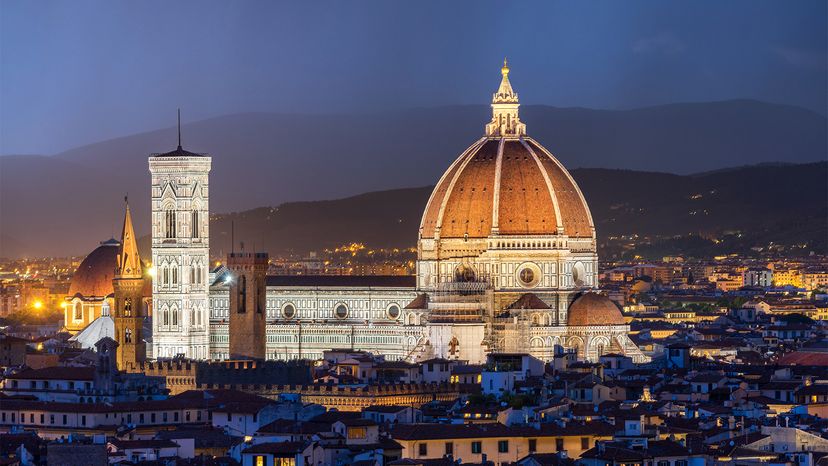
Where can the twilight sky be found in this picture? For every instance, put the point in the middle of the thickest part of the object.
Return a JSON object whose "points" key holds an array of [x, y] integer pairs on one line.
{"points": [[77, 72]]}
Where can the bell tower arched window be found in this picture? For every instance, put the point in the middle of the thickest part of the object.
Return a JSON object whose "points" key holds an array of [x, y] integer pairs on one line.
{"points": [[128, 336], [169, 223], [128, 307], [196, 226]]}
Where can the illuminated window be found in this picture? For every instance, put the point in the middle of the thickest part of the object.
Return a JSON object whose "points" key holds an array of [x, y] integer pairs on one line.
{"points": [[357, 432], [78, 311], [128, 307], [128, 336], [259, 460]]}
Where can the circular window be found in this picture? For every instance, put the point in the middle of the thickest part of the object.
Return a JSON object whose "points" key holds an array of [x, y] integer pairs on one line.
{"points": [[289, 311], [528, 275], [464, 273], [341, 311], [393, 311]]}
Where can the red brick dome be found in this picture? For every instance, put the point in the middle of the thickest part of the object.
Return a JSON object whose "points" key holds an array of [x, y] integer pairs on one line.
{"points": [[93, 279], [508, 186], [594, 309]]}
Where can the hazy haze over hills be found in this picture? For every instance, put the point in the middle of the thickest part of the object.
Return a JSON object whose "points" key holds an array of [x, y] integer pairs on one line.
{"points": [[74, 199], [755, 201]]}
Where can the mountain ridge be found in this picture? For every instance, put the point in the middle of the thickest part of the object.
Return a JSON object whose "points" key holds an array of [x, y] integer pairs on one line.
{"points": [[265, 159]]}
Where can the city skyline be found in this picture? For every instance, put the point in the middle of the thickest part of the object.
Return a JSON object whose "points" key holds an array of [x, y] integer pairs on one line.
{"points": [[372, 241]]}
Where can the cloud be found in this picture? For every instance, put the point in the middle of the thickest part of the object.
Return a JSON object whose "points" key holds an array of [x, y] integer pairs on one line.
{"points": [[801, 57], [665, 43]]}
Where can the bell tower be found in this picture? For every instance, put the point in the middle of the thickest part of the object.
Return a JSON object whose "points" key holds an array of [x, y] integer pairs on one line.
{"points": [[180, 253], [128, 313]]}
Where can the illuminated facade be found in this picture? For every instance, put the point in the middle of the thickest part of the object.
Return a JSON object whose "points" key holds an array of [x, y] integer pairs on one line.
{"points": [[506, 262], [180, 253]]}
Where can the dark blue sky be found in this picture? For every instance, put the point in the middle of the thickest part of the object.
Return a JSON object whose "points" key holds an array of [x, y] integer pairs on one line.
{"points": [[76, 72]]}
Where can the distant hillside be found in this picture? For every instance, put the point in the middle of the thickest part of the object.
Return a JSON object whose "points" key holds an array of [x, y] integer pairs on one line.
{"points": [[65, 204], [784, 204]]}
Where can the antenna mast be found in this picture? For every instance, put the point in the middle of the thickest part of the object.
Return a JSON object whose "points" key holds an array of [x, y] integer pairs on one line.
{"points": [[179, 129]]}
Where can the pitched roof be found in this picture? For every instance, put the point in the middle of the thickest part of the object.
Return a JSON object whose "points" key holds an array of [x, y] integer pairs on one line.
{"points": [[279, 449], [56, 373], [528, 301], [420, 302], [344, 281]]}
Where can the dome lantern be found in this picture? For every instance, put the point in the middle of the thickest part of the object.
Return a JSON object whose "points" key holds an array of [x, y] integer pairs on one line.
{"points": [[505, 121]]}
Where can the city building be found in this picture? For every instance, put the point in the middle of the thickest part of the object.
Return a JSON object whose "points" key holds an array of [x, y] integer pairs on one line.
{"points": [[506, 263]]}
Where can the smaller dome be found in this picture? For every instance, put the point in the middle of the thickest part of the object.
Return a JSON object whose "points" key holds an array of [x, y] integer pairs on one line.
{"points": [[93, 279], [594, 309]]}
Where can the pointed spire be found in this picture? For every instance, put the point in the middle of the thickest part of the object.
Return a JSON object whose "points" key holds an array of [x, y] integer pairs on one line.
{"points": [[504, 93], [505, 121], [129, 262]]}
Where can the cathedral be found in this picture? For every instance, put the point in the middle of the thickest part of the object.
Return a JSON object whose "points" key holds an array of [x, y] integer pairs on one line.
{"points": [[507, 262]]}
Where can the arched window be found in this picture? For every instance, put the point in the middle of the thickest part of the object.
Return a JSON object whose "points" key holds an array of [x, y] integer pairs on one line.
{"points": [[169, 228], [174, 317], [165, 280], [128, 336], [78, 310], [242, 307], [166, 316], [128, 307], [195, 228], [175, 275]]}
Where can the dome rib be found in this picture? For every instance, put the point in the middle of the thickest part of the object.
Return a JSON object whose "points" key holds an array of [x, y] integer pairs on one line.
{"points": [[558, 220], [506, 186], [93, 277], [496, 188], [468, 156], [526, 207], [594, 309], [429, 222], [576, 223]]}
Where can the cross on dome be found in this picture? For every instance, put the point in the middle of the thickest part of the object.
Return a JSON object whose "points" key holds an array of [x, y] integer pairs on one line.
{"points": [[505, 121]]}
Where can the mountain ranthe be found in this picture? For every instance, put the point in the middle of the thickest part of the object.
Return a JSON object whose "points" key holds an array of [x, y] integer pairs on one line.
{"points": [[783, 204], [64, 204]]}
